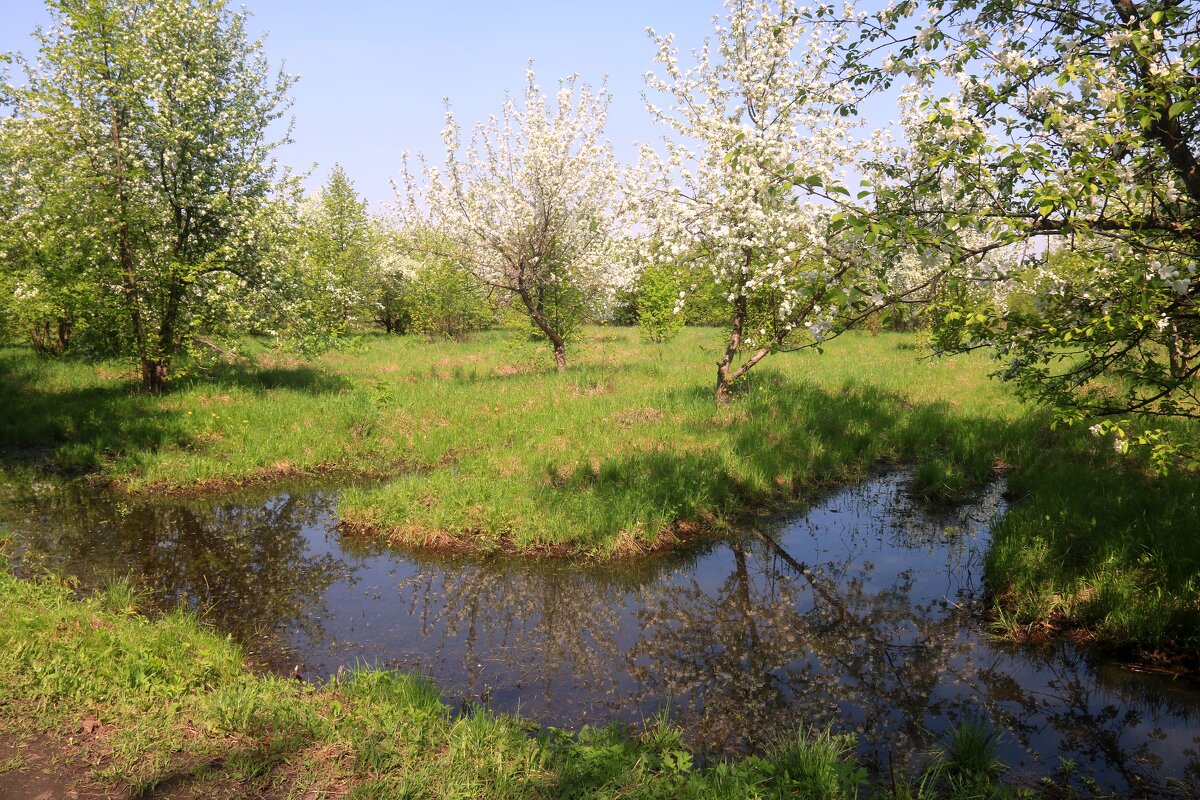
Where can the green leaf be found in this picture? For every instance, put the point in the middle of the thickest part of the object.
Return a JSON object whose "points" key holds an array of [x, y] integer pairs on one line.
{"points": [[1178, 108]]}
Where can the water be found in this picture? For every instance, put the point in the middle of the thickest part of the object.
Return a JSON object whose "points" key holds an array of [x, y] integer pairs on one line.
{"points": [[863, 613]]}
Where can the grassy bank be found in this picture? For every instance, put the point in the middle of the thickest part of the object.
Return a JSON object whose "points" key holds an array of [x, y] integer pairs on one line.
{"points": [[483, 448], [1104, 551], [490, 450], [152, 708]]}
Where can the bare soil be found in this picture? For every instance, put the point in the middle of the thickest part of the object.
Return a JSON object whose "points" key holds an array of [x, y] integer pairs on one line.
{"points": [[42, 768]]}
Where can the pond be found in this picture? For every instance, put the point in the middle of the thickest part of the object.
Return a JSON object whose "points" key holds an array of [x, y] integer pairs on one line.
{"points": [[864, 613]]}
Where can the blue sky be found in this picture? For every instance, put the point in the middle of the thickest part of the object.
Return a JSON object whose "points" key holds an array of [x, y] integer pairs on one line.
{"points": [[373, 74]]}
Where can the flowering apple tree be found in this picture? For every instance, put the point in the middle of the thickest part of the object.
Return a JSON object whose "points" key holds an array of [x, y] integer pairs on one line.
{"points": [[532, 205], [1072, 131], [752, 185], [139, 169]]}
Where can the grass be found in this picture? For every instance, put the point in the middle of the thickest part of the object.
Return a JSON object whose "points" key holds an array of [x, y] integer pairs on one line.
{"points": [[489, 449], [1104, 550], [481, 447], [165, 706]]}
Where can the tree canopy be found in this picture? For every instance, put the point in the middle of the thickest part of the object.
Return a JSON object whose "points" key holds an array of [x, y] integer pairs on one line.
{"points": [[140, 173], [1064, 135], [756, 144], [532, 205]]}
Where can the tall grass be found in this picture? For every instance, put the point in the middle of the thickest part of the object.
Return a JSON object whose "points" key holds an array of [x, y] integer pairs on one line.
{"points": [[1104, 548]]}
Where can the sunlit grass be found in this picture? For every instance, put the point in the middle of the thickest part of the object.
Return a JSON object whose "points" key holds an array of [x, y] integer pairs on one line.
{"points": [[488, 447], [627, 451], [481, 446]]}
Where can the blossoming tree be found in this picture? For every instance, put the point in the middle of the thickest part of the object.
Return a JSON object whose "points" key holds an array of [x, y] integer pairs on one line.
{"points": [[532, 205], [1072, 130], [140, 151], [753, 178]]}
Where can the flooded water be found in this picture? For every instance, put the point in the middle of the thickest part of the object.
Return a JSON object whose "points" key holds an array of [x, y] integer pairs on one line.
{"points": [[862, 613]]}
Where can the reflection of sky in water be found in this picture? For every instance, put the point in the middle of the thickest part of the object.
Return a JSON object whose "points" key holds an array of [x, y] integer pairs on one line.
{"points": [[862, 613]]}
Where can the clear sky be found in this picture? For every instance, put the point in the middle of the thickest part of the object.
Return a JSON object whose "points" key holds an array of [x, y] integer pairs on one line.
{"points": [[374, 73]]}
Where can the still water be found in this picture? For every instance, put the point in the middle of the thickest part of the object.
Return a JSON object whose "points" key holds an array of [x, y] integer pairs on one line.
{"points": [[863, 613]]}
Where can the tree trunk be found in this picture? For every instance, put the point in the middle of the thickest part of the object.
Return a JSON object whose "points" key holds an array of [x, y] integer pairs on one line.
{"points": [[535, 313], [724, 380], [154, 375], [39, 335], [1165, 128], [1175, 353], [730, 378]]}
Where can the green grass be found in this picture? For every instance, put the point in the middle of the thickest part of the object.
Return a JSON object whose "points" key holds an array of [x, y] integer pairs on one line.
{"points": [[481, 447], [489, 449], [176, 710], [1102, 548]]}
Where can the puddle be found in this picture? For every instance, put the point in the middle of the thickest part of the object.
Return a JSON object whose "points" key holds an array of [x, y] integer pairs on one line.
{"points": [[861, 613]]}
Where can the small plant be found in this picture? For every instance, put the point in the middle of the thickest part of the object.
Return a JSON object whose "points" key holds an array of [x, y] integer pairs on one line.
{"points": [[819, 765], [121, 597], [971, 748]]}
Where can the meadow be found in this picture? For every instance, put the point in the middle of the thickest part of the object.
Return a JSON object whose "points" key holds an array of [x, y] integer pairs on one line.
{"points": [[481, 447]]}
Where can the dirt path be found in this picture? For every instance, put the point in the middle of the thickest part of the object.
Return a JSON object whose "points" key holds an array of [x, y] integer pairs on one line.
{"points": [[49, 767], [40, 768]]}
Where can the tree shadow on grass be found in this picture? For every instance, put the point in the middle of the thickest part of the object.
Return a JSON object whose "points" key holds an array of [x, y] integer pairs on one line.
{"points": [[72, 431], [1100, 543], [789, 429], [296, 378], [75, 430], [262, 761], [784, 439]]}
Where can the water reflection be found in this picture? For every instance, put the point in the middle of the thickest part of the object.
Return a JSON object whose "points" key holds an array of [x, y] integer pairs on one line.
{"points": [[245, 564], [861, 613]]}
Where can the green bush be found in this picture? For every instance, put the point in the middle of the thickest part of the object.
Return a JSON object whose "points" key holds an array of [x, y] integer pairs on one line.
{"points": [[706, 305], [657, 300], [446, 301]]}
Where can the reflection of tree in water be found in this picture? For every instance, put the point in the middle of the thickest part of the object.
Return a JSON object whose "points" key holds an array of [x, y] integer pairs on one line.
{"points": [[854, 620], [244, 564], [538, 625], [773, 647], [778, 642], [1102, 725]]}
